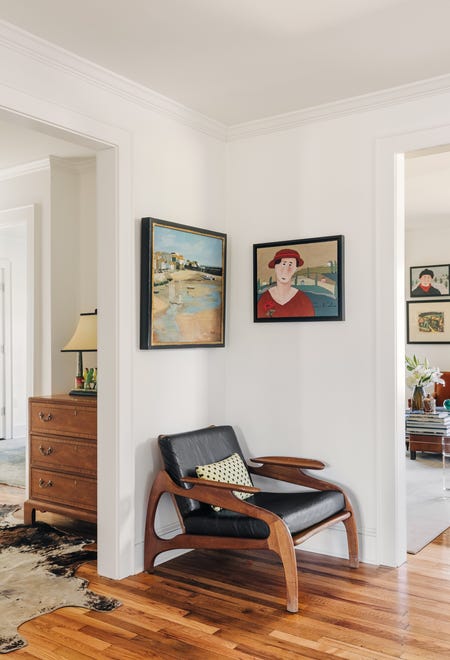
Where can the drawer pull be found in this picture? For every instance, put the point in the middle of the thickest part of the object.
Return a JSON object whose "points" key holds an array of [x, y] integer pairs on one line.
{"points": [[46, 452], [45, 484], [45, 418]]}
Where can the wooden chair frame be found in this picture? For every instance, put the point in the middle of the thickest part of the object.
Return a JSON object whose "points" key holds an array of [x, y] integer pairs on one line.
{"points": [[280, 540]]}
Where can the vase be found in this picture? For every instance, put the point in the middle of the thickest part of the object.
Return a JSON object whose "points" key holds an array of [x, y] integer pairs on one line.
{"points": [[417, 398]]}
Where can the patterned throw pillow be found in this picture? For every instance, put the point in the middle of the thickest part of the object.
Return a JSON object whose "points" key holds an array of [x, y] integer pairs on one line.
{"points": [[231, 470]]}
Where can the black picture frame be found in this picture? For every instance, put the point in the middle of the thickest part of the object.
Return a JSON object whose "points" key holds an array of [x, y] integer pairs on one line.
{"points": [[183, 283], [428, 321], [440, 282], [319, 279]]}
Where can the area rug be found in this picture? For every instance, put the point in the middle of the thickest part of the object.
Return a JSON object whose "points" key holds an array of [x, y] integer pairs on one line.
{"points": [[37, 567], [428, 511]]}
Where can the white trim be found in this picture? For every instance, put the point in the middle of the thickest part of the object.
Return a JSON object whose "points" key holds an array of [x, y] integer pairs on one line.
{"points": [[25, 168], [164, 531], [333, 542], [77, 165], [26, 215], [341, 108], [54, 56], [390, 333], [43, 51], [5, 266]]}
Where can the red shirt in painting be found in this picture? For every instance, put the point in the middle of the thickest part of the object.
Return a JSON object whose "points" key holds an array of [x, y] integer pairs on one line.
{"points": [[299, 305]]}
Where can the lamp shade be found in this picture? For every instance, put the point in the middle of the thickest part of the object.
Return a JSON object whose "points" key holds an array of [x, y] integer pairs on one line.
{"points": [[85, 336]]}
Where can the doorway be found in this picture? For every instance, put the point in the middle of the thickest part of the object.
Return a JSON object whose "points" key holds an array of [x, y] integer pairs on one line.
{"points": [[115, 461], [390, 334], [5, 350], [427, 236], [16, 258], [14, 344]]}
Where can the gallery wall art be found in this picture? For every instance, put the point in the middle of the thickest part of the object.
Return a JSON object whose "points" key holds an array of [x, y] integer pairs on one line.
{"points": [[183, 278], [299, 280]]}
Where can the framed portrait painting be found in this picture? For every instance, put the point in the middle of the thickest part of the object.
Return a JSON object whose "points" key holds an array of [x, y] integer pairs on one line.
{"points": [[429, 281], [300, 280], [183, 276], [428, 322]]}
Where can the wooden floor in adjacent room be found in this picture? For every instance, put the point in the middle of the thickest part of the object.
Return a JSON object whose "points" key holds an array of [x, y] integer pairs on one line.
{"points": [[231, 605]]}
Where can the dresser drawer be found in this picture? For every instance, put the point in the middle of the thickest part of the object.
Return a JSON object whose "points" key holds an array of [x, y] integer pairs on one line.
{"points": [[60, 488], [65, 454], [66, 419]]}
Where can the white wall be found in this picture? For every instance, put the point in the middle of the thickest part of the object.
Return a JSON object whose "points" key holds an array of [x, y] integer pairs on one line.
{"points": [[309, 389], [64, 193], [74, 282], [297, 388], [177, 173]]}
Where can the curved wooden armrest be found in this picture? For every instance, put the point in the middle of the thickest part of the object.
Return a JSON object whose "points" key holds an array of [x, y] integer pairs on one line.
{"points": [[220, 485], [285, 468], [209, 492], [289, 461]]}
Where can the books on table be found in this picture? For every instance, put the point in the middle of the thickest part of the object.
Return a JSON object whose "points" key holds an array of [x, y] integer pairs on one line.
{"points": [[437, 423]]}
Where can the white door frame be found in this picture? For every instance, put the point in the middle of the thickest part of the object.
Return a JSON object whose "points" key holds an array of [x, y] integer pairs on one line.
{"points": [[390, 337], [6, 430], [116, 330], [26, 215]]}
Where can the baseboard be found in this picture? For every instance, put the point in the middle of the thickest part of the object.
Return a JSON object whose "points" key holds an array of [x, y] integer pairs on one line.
{"points": [[331, 542], [19, 431], [167, 531]]}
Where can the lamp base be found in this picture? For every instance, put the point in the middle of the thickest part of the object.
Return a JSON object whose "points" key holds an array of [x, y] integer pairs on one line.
{"points": [[83, 392]]}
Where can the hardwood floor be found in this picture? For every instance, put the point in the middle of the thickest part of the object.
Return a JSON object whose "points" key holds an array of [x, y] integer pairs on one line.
{"points": [[231, 605]]}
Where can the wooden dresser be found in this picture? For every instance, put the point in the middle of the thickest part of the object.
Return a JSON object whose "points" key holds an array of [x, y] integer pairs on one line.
{"points": [[63, 457]]}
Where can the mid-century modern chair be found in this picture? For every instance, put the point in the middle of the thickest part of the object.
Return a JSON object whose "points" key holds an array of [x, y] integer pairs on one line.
{"points": [[213, 515]]}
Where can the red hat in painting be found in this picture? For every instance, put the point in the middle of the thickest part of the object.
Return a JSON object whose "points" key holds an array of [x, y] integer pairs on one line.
{"points": [[286, 253]]}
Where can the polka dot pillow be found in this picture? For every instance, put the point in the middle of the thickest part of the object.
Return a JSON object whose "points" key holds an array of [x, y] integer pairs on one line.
{"points": [[231, 470]]}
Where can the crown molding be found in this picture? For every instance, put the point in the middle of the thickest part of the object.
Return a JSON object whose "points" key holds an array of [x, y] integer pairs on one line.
{"points": [[51, 55], [74, 164], [40, 50], [336, 109], [25, 168]]}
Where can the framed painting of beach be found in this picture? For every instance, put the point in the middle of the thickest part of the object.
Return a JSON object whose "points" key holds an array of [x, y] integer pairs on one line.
{"points": [[428, 322], [301, 280], [183, 276]]}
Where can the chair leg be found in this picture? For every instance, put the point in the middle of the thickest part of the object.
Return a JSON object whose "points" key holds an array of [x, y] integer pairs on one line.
{"points": [[152, 541], [280, 541], [352, 541]]}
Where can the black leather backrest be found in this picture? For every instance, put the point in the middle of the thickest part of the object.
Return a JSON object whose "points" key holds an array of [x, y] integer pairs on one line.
{"points": [[182, 452]]}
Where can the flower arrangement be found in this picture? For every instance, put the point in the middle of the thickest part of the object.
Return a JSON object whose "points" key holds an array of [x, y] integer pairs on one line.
{"points": [[421, 374]]}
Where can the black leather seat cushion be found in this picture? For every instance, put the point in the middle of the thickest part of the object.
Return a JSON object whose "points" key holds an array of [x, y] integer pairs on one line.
{"points": [[298, 510]]}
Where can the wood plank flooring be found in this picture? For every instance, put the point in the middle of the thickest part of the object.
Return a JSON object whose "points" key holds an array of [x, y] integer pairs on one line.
{"points": [[211, 604]]}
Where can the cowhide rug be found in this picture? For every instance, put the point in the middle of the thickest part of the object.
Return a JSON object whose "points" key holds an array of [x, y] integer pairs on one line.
{"points": [[37, 567]]}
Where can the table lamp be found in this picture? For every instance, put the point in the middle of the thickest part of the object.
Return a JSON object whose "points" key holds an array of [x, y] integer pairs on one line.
{"points": [[84, 339]]}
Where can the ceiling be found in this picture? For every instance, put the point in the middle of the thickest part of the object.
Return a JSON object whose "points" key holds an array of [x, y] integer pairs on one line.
{"points": [[240, 60]]}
